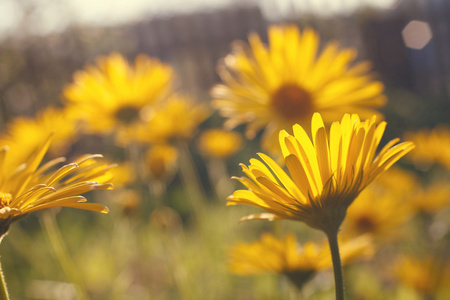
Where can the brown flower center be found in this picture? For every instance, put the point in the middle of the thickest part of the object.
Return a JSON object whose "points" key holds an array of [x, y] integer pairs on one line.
{"points": [[292, 102], [365, 224], [127, 114], [5, 199]]}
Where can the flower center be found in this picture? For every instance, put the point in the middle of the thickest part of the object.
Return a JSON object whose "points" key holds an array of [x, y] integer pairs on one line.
{"points": [[127, 114], [366, 224], [5, 199], [292, 102]]}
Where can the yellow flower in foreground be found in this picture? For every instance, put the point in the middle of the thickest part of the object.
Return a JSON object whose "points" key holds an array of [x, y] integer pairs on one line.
{"points": [[283, 84], [219, 143], [23, 135], [30, 187], [432, 146], [111, 96], [176, 118], [326, 174], [288, 258]]}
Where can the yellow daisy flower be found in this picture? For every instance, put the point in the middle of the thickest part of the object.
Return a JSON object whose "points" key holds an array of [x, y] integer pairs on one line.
{"points": [[177, 118], [111, 96], [327, 173], [392, 192], [30, 187], [287, 257], [432, 198], [432, 146], [23, 135], [426, 275], [283, 84], [219, 143], [161, 161], [381, 220]]}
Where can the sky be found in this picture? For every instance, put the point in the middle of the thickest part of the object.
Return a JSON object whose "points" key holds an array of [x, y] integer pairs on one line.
{"points": [[46, 16]]}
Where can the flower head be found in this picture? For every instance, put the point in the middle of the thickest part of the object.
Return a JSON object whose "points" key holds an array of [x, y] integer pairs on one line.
{"points": [[432, 146], [326, 174], [277, 86], [30, 187], [219, 143], [110, 97], [177, 118], [287, 257], [23, 135]]}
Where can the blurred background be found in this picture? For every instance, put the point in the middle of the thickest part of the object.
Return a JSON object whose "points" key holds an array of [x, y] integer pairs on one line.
{"points": [[42, 44]]}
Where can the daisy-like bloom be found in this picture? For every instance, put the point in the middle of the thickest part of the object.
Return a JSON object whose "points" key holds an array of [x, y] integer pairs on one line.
{"points": [[326, 174], [426, 275], [432, 198], [284, 83], [161, 161], [381, 220], [432, 146], [219, 143], [177, 118], [287, 257], [31, 187], [23, 135], [110, 97], [392, 192]]}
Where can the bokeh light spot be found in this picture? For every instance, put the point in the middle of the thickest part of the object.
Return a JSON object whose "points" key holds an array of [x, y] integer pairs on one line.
{"points": [[416, 34]]}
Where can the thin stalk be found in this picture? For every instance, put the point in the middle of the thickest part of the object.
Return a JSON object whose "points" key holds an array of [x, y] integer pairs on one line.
{"points": [[219, 178], [337, 266], [3, 289], [190, 178], [48, 221]]}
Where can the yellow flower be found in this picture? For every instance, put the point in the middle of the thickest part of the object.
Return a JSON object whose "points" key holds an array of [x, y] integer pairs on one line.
{"points": [[111, 96], [432, 198], [288, 258], [392, 192], [381, 220], [426, 274], [30, 187], [432, 146], [283, 84], [327, 173], [176, 118], [219, 143], [23, 135], [161, 161]]}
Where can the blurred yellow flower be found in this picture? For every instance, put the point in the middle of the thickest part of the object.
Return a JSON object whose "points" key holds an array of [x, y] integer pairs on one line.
{"points": [[110, 97], [426, 275], [177, 118], [432, 198], [161, 161], [327, 173], [287, 257], [381, 220], [30, 187], [283, 84], [23, 135], [432, 146], [219, 143]]}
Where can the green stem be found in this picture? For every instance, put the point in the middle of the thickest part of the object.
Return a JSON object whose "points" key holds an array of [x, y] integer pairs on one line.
{"points": [[3, 289], [337, 266], [190, 178], [48, 221]]}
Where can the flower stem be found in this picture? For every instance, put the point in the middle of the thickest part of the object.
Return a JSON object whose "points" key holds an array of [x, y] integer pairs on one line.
{"points": [[190, 178], [3, 289], [337, 266], [48, 221]]}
